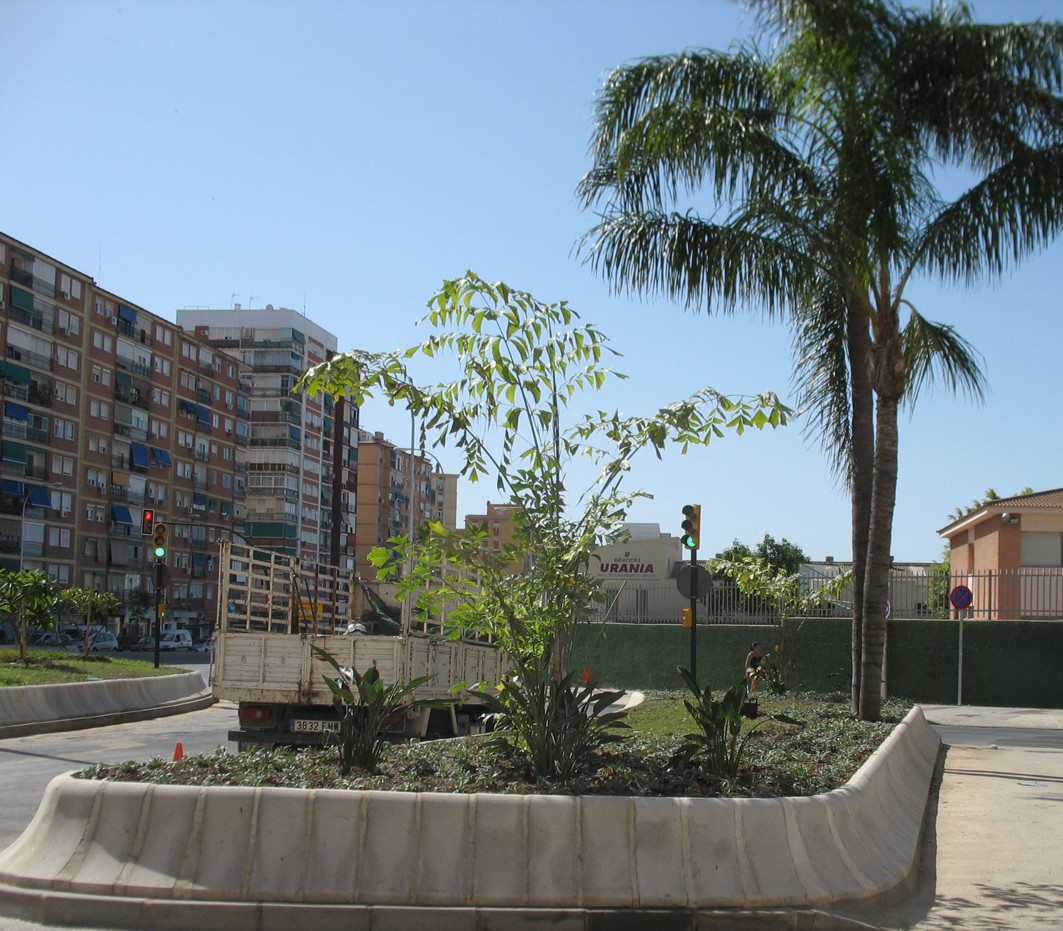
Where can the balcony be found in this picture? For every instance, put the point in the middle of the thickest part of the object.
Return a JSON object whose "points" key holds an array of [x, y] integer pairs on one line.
{"points": [[131, 365], [27, 357], [202, 455], [203, 396], [30, 318], [27, 278]]}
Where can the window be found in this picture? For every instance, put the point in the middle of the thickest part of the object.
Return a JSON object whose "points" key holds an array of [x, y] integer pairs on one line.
{"points": [[96, 478], [162, 366], [66, 357], [64, 429], [226, 480], [188, 380], [66, 394], [1042, 549], [163, 334], [160, 397], [62, 465], [188, 351], [69, 323], [101, 409], [97, 444], [70, 287], [59, 536], [102, 341], [60, 573]]}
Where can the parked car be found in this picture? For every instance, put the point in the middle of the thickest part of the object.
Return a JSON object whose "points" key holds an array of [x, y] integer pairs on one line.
{"points": [[49, 641], [100, 641], [203, 646], [143, 645], [176, 640]]}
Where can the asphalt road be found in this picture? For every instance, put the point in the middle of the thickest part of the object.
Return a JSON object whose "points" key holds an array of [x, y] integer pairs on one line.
{"points": [[28, 764]]}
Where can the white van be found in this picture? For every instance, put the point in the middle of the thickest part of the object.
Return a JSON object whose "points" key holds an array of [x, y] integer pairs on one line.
{"points": [[176, 640]]}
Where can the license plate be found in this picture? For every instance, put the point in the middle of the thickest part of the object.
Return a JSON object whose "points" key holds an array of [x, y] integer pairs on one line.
{"points": [[316, 726]]}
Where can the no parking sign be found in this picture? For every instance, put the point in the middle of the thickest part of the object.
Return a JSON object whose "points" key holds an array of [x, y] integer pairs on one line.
{"points": [[961, 597]]}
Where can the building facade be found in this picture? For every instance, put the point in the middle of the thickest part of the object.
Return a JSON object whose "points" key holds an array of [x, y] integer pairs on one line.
{"points": [[385, 499], [301, 494], [110, 410]]}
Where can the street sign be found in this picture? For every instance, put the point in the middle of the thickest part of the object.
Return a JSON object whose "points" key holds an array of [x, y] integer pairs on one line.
{"points": [[961, 597], [693, 581]]}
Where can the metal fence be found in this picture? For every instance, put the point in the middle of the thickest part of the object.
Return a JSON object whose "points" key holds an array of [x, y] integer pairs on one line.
{"points": [[914, 592]]}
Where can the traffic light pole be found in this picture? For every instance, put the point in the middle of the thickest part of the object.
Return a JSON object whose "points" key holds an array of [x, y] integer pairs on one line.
{"points": [[694, 593], [159, 570]]}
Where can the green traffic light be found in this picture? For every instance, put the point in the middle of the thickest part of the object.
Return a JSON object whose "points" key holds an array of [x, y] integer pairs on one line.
{"points": [[160, 551]]}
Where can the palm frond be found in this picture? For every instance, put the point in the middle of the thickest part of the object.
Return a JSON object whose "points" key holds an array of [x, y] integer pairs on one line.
{"points": [[935, 352], [1004, 217], [694, 262]]}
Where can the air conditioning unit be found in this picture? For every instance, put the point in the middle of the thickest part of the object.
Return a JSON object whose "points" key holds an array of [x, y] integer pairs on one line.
{"points": [[64, 294]]}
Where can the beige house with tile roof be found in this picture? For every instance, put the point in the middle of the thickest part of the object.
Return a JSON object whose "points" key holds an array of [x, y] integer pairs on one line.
{"points": [[1004, 544]]}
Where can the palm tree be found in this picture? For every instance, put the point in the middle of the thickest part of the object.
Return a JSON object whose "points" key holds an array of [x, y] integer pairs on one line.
{"points": [[818, 161]]}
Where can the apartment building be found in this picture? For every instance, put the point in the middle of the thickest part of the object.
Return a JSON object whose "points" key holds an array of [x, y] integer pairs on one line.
{"points": [[386, 499], [301, 495], [110, 409]]}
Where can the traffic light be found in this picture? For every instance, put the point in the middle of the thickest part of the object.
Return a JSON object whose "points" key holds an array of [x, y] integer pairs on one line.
{"points": [[691, 526], [158, 538], [147, 522], [688, 617]]}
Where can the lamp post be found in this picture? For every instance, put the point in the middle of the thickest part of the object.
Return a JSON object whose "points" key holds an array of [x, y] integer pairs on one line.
{"points": [[22, 526]]}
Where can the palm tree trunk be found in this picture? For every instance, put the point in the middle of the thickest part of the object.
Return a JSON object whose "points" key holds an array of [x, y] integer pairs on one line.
{"points": [[861, 474], [880, 541]]}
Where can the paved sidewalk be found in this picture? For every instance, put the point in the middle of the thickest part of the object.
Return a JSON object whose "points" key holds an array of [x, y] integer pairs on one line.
{"points": [[993, 857]]}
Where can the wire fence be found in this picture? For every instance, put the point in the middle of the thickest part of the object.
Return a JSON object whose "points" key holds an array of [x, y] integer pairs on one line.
{"points": [[915, 592]]}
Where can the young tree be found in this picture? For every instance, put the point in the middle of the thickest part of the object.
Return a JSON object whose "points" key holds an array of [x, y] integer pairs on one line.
{"points": [[520, 365], [22, 594], [819, 163], [91, 605]]}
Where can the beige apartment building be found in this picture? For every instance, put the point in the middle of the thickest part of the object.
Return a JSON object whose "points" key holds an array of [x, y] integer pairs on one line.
{"points": [[301, 459], [385, 500], [110, 410]]}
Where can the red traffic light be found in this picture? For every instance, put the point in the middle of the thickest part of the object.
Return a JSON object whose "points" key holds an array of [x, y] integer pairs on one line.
{"points": [[147, 522]]}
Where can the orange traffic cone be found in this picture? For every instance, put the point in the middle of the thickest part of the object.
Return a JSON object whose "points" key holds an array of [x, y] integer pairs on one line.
{"points": [[178, 752]]}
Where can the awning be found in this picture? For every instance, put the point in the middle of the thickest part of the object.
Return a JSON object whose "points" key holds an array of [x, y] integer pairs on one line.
{"points": [[16, 411], [127, 313], [139, 454], [14, 452], [21, 299], [186, 407], [40, 497], [199, 559], [226, 508], [203, 414], [199, 501], [123, 378], [16, 373], [161, 457], [120, 514], [10, 489]]}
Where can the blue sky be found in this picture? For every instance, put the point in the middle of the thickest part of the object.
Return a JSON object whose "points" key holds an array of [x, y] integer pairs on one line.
{"points": [[345, 158]]}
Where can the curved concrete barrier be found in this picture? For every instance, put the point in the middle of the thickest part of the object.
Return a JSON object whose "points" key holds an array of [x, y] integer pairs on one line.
{"points": [[32, 709], [153, 851]]}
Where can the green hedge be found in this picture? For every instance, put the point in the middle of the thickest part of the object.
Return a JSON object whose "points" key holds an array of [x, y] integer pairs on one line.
{"points": [[1006, 663]]}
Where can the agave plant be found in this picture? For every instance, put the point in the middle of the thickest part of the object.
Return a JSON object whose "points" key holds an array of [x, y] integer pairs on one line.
{"points": [[364, 703], [721, 742]]}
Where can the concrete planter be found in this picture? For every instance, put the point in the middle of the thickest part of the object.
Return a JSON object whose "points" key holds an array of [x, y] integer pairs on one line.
{"points": [[167, 856]]}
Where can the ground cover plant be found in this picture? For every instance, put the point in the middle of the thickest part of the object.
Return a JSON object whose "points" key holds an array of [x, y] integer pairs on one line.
{"points": [[803, 744], [52, 667]]}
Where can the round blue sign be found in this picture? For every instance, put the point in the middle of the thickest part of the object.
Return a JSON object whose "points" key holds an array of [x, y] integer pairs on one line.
{"points": [[961, 597]]}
